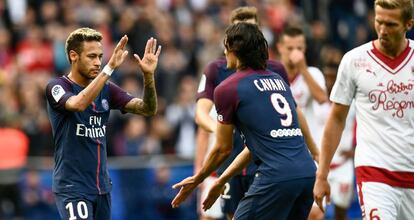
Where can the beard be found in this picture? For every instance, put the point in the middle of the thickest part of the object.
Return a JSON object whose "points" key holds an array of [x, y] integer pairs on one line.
{"points": [[85, 72], [88, 74]]}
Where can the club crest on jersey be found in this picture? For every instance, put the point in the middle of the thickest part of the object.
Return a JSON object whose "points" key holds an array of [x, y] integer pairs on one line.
{"points": [[57, 92], [105, 104], [220, 118]]}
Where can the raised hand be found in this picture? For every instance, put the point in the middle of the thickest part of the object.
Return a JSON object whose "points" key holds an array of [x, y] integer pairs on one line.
{"points": [[149, 61], [187, 187], [297, 58], [215, 191], [119, 54]]}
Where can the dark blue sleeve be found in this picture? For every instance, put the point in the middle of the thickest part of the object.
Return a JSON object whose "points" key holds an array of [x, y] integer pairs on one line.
{"points": [[58, 91], [278, 68], [226, 101], [208, 81], [118, 98]]}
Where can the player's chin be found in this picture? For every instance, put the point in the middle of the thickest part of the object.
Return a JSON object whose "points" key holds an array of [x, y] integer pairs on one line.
{"points": [[385, 42], [93, 74]]}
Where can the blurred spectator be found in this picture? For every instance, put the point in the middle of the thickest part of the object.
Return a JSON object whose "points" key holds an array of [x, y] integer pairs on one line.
{"points": [[13, 156], [180, 115], [159, 136], [131, 140], [38, 199], [33, 117], [29, 49], [161, 194]]}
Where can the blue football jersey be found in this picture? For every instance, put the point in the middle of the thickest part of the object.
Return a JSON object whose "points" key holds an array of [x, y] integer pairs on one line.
{"points": [[261, 106], [80, 137], [215, 73]]}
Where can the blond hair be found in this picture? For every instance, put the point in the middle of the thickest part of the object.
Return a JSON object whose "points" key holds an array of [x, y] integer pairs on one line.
{"points": [[77, 37], [406, 7], [243, 13]]}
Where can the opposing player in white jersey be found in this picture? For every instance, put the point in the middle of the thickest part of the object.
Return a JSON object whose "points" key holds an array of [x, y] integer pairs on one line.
{"points": [[307, 85], [341, 175], [379, 77]]}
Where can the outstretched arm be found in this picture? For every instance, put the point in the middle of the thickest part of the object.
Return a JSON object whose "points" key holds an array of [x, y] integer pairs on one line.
{"points": [[148, 105], [82, 100], [307, 135], [220, 151], [331, 137], [202, 141], [240, 162]]}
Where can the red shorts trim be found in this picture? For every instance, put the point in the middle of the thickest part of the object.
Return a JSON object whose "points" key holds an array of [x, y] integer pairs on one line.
{"points": [[392, 178]]}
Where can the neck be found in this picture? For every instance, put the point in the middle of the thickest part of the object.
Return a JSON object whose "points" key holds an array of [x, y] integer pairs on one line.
{"points": [[291, 71], [76, 77], [391, 52]]}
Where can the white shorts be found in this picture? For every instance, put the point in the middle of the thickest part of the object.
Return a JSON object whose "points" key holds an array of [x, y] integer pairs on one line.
{"points": [[385, 202], [215, 210], [341, 180]]}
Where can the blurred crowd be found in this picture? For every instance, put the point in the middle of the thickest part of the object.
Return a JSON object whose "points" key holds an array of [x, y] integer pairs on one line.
{"points": [[32, 51], [32, 41]]}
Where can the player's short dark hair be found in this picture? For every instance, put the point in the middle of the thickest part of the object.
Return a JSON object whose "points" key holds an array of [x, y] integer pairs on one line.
{"points": [[247, 42], [291, 31], [243, 13], [77, 37]]}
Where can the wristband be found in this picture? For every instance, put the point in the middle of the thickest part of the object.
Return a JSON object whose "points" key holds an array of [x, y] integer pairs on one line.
{"points": [[107, 70]]}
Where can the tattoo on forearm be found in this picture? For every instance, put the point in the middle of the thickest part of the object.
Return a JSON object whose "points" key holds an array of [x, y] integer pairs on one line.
{"points": [[150, 96]]}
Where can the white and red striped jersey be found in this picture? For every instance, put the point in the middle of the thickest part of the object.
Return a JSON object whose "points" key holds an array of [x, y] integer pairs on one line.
{"points": [[383, 90]]}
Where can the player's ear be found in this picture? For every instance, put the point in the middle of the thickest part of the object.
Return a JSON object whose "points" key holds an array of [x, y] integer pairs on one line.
{"points": [[409, 25], [73, 56]]}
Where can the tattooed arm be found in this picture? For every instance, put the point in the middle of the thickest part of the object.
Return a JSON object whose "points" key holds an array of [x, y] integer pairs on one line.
{"points": [[148, 105]]}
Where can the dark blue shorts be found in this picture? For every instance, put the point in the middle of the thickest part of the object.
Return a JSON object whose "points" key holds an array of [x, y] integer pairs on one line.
{"points": [[83, 206], [291, 200], [237, 187]]}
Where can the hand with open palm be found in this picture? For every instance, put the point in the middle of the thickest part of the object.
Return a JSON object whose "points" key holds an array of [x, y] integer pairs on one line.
{"points": [[149, 61], [119, 54]]}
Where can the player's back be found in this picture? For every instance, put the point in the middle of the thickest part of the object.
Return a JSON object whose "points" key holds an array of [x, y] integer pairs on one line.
{"points": [[214, 74], [266, 116]]}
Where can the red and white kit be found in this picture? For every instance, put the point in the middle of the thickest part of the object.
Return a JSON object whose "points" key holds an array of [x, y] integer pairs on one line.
{"points": [[305, 101], [383, 90]]}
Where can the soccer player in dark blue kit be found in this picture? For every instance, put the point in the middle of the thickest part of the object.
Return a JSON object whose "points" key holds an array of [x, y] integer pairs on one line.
{"points": [[260, 105], [213, 75], [78, 107]]}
